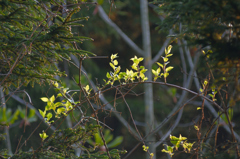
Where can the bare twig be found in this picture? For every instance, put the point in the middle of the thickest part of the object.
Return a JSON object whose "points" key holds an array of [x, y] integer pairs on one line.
{"points": [[102, 98], [207, 103]]}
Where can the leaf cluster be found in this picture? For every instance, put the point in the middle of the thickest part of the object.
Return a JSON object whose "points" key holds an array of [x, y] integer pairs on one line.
{"points": [[177, 141], [137, 72]]}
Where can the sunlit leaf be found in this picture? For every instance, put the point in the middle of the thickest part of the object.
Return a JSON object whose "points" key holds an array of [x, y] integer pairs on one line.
{"points": [[44, 99], [159, 64], [115, 62], [42, 113], [52, 99], [43, 135], [169, 68]]}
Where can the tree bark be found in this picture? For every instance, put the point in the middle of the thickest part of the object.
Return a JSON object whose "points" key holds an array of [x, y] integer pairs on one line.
{"points": [[148, 88]]}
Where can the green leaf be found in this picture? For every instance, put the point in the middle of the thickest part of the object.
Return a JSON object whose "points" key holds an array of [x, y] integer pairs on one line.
{"points": [[158, 71], [159, 64], [174, 140], [140, 59], [42, 113], [31, 113], [98, 139], [169, 68], [113, 56], [165, 59], [115, 62], [113, 67], [13, 117], [44, 99], [154, 72], [188, 146], [168, 49], [49, 116], [117, 141], [108, 75], [59, 95], [52, 99], [134, 66], [199, 108], [169, 150], [43, 135], [142, 67], [165, 75], [56, 84], [118, 69], [57, 104], [86, 88], [60, 110]]}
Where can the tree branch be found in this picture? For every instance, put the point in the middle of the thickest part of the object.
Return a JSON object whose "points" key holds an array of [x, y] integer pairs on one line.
{"points": [[207, 103], [108, 106], [105, 17]]}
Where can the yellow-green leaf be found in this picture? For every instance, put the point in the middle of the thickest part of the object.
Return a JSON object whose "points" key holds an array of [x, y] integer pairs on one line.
{"points": [[113, 67], [118, 69], [154, 72], [113, 56], [115, 62], [86, 88], [44, 99], [169, 68], [158, 71], [52, 99], [168, 49], [42, 113], [165, 59], [108, 75], [159, 64], [43, 135]]}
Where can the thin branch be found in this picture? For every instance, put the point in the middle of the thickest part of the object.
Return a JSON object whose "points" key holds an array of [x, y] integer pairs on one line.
{"points": [[105, 17], [123, 96], [175, 123], [102, 98], [207, 103], [90, 104]]}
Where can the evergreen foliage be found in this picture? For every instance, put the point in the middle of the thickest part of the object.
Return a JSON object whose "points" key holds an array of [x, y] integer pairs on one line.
{"points": [[31, 44], [206, 23]]}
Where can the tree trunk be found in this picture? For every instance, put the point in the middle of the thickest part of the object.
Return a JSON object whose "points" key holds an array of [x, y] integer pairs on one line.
{"points": [[148, 89]]}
